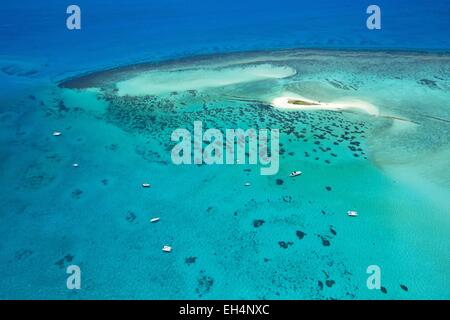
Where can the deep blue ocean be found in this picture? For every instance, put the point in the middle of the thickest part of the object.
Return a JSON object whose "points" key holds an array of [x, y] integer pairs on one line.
{"points": [[126, 31], [276, 238]]}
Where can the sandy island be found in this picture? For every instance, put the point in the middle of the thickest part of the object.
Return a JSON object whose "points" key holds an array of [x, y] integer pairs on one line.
{"points": [[301, 103]]}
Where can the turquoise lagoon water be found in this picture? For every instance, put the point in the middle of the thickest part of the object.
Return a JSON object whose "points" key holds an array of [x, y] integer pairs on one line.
{"points": [[280, 238]]}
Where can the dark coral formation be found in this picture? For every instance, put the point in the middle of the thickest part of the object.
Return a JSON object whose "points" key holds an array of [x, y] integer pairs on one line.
{"points": [[325, 241], [190, 260], [130, 217], [330, 283], [76, 194], [61, 263], [23, 254], [300, 234], [204, 284], [333, 231], [285, 244], [258, 223]]}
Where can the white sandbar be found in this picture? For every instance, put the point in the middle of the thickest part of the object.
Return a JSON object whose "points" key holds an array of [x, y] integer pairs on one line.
{"points": [[300, 103]]}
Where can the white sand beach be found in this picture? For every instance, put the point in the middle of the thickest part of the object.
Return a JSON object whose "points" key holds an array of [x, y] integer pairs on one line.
{"points": [[296, 102]]}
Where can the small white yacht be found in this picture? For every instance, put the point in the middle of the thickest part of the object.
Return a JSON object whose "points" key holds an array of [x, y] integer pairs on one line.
{"points": [[295, 173], [75, 165], [247, 184], [352, 213], [153, 220], [146, 185], [56, 133], [167, 248]]}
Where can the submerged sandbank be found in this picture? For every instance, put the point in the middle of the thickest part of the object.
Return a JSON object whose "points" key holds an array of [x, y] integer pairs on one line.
{"points": [[165, 81]]}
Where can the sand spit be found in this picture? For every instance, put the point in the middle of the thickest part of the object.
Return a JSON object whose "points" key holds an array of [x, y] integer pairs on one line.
{"points": [[301, 103]]}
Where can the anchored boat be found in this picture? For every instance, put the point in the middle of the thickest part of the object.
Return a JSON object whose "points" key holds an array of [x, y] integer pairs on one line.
{"points": [[295, 173], [352, 213]]}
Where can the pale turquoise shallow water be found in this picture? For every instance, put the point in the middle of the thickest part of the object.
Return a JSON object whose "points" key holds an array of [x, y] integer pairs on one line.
{"points": [[97, 215]]}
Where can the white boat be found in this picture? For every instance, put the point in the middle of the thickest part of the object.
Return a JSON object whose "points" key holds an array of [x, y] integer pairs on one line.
{"points": [[146, 185], [56, 133], [152, 220], [247, 184], [352, 213], [295, 173], [75, 165], [167, 248]]}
